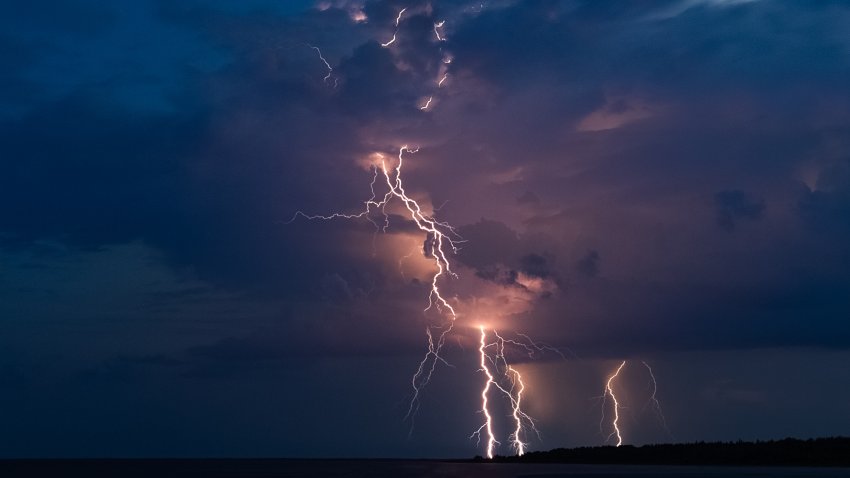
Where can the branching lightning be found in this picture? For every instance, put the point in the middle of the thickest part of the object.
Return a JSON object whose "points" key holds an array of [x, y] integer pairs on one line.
{"points": [[441, 239], [617, 404], [518, 414], [509, 384], [503, 382], [514, 394]]}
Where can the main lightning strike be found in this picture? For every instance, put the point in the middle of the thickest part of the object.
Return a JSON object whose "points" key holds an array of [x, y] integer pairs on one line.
{"points": [[609, 391], [488, 419], [512, 393]]}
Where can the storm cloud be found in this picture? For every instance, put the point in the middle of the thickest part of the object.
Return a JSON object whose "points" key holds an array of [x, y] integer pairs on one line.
{"points": [[628, 178]]}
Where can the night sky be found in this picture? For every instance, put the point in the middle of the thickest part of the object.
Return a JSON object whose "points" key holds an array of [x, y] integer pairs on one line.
{"points": [[663, 181]]}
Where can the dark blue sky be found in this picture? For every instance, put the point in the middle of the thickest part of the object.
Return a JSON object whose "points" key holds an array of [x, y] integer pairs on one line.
{"points": [[663, 181]]}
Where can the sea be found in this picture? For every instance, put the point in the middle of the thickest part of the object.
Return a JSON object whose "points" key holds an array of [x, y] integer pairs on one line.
{"points": [[274, 468]]}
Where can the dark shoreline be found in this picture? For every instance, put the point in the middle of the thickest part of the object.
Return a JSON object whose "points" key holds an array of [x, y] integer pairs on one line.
{"points": [[789, 452]]}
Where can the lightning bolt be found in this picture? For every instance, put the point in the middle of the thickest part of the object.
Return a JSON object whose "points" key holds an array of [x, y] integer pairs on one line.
{"points": [[534, 349], [488, 419], [328, 65], [395, 33], [609, 391], [401, 262], [437, 27], [509, 384], [442, 240], [518, 414], [520, 417], [653, 399]]}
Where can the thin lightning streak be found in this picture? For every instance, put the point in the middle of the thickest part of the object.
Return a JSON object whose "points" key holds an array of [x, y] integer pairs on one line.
{"points": [[441, 206], [328, 65], [395, 33], [653, 399], [401, 262], [398, 18], [427, 103], [424, 372], [533, 348], [609, 390], [437, 27], [442, 80]]}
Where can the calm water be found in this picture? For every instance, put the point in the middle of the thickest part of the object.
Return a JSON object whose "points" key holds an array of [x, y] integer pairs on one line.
{"points": [[380, 469]]}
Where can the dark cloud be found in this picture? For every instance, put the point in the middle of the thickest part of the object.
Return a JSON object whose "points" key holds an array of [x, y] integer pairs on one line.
{"points": [[127, 368], [494, 241], [589, 264], [212, 184], [827, 207], [78, 173], [77, 17], [535, 265], [528, 197], [736, 205]]}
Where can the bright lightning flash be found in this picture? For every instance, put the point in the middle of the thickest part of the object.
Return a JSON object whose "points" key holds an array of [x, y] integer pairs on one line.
{"points": [[441, 239], [609, 391], [509, 384], [488, 419]]}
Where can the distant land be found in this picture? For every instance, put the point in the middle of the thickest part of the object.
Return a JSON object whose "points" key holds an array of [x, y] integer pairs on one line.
{"points": [[787, 452], [789, 458]]}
